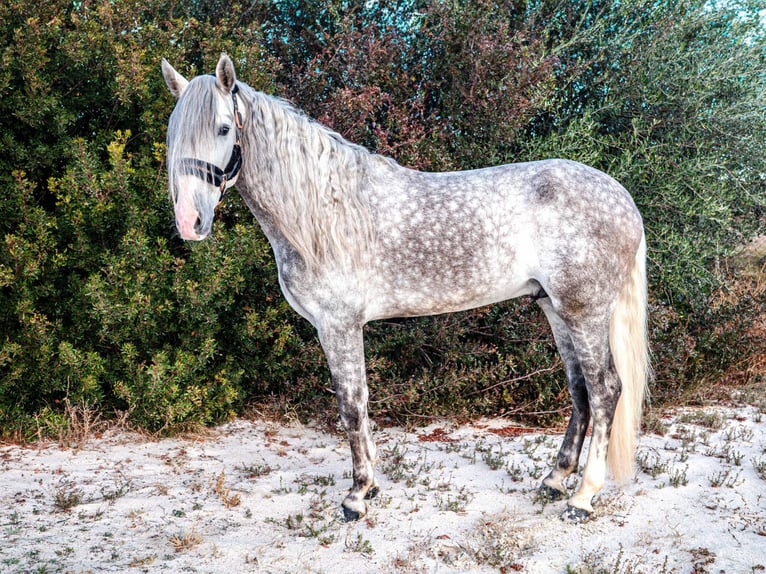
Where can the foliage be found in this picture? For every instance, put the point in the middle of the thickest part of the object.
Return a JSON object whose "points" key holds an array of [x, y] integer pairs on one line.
{"points": [[103, 304]]}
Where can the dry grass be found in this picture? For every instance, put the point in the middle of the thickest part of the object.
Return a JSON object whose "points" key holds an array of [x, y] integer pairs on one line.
{"points": [[224, 493], [185, 540]]}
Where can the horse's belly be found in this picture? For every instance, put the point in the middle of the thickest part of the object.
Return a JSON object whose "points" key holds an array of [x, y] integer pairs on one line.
{"points": [[443, 292]]}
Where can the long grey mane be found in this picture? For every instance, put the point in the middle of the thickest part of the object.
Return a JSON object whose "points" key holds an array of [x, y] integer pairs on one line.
{"points": [[309, 179], [194, 117]]}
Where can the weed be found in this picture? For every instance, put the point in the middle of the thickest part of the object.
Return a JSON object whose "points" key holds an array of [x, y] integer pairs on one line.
{"points": [[67, 496], [396, 465], [595, 563], [738, 433], [457, 504], [651, 463], [282, 488], [294, 522], [13, 527], [537, 472], [140, 562], [727, 453], [515, 471], [654, 424], [494, 460], [360, 545], [328, 480], [723, 478], [185, 540], [123, 486], [687, 436], [712, 421], [734, 457], [498, 543], [256, 470], [678, 476], [760, 467], [224, 493]]}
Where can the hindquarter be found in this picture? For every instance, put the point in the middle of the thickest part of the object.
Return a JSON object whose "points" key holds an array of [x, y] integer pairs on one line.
{"points": [[588, 232]]}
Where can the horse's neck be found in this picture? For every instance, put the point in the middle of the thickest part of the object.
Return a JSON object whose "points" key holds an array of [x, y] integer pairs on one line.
{"points": [[304, 184]]}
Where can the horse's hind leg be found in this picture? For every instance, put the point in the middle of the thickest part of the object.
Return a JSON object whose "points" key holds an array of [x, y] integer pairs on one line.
{"points": [[553, 487], [344, 348], [590, 338]]}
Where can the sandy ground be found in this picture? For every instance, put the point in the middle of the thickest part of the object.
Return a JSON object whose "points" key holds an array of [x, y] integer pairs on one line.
{"points": [[263, 497]]}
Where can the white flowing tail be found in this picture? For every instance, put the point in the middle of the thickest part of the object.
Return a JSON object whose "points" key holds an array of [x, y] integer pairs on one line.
{"points": [[628, 340]]}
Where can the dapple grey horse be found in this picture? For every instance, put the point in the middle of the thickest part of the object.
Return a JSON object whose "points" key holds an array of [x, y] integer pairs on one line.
{"points": [[357, 237]]}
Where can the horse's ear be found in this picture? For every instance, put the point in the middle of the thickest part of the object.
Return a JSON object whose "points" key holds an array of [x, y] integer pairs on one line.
{"points": [[225, 74], [175, 81]]}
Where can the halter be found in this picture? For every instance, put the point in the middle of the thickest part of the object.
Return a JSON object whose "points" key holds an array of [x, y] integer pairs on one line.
{"points": [[211, 173]]}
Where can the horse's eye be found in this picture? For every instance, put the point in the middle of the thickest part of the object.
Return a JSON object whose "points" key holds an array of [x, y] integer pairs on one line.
{"points": [[223, 130]]}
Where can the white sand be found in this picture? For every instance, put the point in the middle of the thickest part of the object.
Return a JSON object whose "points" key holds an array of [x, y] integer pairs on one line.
{"points": [[260, 497]]}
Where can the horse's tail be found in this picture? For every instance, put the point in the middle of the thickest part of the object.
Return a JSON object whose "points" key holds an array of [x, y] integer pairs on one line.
{"points": [[628, 340]]}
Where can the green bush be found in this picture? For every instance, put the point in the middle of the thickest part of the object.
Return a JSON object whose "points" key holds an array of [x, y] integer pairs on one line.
{"points": [[101, 303]]}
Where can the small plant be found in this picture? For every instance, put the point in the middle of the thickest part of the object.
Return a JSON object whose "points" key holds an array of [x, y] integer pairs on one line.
{"points": [[734, 457], [185, 540], [458, 503], [651, 463], [678, 476], [360, 545], [282, 489], [328, 480], [494, 460], [224, 493], [399, 468], [738, 433], [515, 471], [723, 478], [294, 522], [727, 453], [688, 437], [654, 424], [123, 486], [67, 496], [256, 470], [712, 421], [760, 467]]}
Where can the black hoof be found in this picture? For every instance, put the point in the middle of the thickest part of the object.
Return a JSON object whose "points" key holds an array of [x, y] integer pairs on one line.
{"points": [[372, 493], [549, 494], [350, 515], [575, 515]]}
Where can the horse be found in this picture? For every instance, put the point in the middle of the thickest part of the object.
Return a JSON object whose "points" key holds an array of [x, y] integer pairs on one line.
{"points": [[358, 237]]}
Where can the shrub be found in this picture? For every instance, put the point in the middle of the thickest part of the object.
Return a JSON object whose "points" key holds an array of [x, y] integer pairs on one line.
{"points": [[102, 303]]}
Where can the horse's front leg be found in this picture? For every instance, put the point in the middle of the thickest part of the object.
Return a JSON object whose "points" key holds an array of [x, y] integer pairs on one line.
{"points": [[344, 348]]}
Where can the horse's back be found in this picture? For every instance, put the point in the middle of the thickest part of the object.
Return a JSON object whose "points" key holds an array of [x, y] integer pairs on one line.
{"points": [[455, 240]]}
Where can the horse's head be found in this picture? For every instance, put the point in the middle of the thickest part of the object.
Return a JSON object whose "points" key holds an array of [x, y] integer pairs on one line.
{"points": [[203, 150]]}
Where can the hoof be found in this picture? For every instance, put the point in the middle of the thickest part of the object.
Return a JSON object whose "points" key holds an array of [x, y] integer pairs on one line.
{"points": [[575, 515], [353, 509], [351, 515], [549, 494]]}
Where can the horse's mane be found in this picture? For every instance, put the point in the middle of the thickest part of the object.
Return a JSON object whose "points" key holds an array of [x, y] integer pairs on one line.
{"points": [[194, 117], [309, 179]]}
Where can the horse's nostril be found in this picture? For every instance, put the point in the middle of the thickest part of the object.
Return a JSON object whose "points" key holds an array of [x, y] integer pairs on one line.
{"points": [[198, 226]]}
